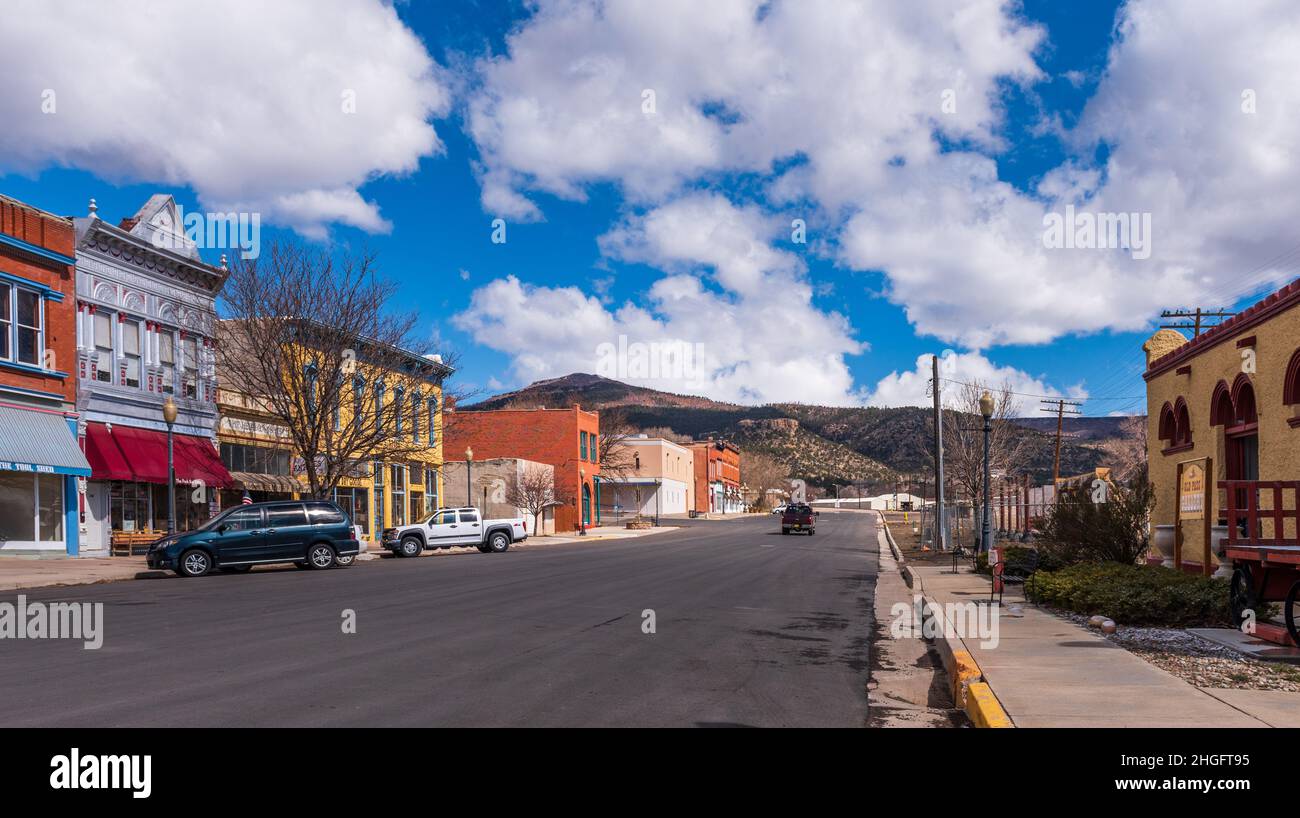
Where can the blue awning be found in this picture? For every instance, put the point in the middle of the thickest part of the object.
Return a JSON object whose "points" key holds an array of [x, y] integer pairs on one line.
{"points": [[39, 442]]}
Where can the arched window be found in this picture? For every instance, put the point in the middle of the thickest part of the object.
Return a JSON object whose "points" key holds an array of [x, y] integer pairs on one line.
{"points": [[1221, 411], [1182, 424], [379, 407], [1243, 402], [358, 400], [399, 395], [1291, 386]]}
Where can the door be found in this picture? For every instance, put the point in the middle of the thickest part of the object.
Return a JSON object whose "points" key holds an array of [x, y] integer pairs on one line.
{"points": [[586, 505], [443, 529], [1243, 464], [96, 531], [471, 528], [239, 537], [287, 530]]}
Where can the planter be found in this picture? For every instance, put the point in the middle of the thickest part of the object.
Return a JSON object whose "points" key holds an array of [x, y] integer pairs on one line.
{"points": [[1164, 543], [1219, 536]]}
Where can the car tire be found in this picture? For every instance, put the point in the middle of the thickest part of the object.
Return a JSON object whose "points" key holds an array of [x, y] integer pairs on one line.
{"points": [[194, 563], [409, 547], [483, 549], [235, 569], [344, 560], [321, 556], [498, 542], [811, 532]]}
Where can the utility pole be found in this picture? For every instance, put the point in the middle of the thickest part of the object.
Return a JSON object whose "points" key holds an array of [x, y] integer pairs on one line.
{"points": [[940, 524], [1195, 316], [1061, 412]]}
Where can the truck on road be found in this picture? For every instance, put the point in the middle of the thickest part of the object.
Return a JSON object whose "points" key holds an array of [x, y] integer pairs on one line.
{"points": [[449, 527]]}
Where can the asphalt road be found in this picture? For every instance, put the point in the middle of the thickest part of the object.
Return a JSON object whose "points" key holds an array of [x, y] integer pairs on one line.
{"points": [[751, 628]]}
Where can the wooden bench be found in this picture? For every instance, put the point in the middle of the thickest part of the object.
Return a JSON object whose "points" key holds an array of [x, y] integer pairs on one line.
{"points": [[126, 543]]}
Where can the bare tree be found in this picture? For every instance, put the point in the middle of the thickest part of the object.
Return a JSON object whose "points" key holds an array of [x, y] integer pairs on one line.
{"points": [[313, 341], [963, 438], [616, 456], [762, 473], [534, 492], [1127, 454]]}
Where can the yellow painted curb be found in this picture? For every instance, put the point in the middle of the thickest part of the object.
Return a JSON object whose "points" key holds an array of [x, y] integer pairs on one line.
{"points": [[964, 672], [983, 708]]}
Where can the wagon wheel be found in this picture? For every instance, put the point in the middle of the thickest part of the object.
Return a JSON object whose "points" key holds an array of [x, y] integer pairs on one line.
{"points": [[1292, 614], [1241, 594]]}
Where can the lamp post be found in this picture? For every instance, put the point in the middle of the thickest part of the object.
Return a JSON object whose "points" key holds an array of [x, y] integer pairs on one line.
{"points": [[169, 415], [582, 493], [986, 537], [469, 471]]}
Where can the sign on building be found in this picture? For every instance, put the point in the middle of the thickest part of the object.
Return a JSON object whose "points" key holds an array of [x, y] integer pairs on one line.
{"points": [[1191, 492]]}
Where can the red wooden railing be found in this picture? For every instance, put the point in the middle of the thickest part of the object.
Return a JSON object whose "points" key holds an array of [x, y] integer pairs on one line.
{"points": [[1257, 511]]}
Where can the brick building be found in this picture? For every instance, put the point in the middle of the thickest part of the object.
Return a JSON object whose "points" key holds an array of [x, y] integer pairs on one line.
{"points": [[563, 438], [717, 477], [1231, 395], [41, 465]]}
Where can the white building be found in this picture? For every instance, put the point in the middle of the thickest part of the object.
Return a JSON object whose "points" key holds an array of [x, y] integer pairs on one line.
{"points": [[661, 482]]}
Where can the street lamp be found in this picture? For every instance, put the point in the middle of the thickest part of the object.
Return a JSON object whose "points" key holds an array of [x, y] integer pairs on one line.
{"points": [[986, 537], [469, 470], [169, 415], [582, 493]]}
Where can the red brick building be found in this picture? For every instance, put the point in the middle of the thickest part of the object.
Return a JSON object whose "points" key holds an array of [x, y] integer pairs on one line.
{"points": [[717, 477], [564, 438], [40, 461]]}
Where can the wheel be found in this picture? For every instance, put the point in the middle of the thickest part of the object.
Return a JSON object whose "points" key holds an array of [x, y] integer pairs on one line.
{"points": [[1241, 594], [194, 563], [410, 547], [1292, 615], [812, 531], [235, 569], [483, 549], [320, 555], [498, 543], [343, 561]]}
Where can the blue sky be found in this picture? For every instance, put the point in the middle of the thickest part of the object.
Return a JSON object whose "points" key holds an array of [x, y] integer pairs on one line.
{"points": [[487, 110]]}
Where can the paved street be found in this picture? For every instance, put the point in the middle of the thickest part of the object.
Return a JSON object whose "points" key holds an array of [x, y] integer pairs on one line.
{"points": [[753, 628]]}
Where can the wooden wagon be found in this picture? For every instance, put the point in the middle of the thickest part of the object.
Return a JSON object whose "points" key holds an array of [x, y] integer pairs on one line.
{"points": [[1263, 543]]}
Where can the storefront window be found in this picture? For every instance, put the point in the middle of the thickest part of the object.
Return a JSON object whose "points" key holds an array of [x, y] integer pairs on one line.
{"points": [[49, 489], [398, 487], [430, 491], [17, 498], [378, 471], [128, 506]]}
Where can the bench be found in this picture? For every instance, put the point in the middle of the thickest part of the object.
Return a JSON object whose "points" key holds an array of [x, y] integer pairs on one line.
{"points": [[1020, 571], [125, 543]]}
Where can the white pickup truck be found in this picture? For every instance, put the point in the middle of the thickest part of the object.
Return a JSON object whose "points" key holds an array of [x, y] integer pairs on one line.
{"points": [[455, 526]]}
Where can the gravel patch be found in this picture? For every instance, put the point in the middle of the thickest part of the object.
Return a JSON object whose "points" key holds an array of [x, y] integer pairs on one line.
{"points": [[1199, 661]]}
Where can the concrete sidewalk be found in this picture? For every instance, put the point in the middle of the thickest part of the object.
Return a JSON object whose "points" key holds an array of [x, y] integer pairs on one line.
{"points": [[16, 572], [1048, 672]]}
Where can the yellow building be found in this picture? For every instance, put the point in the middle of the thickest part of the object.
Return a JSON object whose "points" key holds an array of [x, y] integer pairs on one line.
{"points": [[1230, 397], [391, 483]]}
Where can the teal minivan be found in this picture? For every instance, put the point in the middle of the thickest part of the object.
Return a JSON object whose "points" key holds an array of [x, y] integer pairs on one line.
{"points": [[307, 533]]}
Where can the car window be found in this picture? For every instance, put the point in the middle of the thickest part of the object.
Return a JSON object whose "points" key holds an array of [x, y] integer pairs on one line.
{"points": [[469, 516], [284, 516], [245, 519], [325, 514], [443, 518]]}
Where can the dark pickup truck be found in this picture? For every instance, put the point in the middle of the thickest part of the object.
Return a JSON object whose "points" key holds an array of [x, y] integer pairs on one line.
{"points": [[798, 517]]}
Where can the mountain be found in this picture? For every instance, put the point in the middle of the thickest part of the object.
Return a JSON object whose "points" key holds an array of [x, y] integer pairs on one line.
{"points": [[824, 445]]}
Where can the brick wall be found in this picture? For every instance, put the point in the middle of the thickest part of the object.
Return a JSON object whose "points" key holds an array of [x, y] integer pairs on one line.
{"points": [[56, 234]]}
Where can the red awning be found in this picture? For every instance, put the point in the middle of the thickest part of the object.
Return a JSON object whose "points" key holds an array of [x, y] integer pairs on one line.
{"points": [[106, 460], [143, 454]]}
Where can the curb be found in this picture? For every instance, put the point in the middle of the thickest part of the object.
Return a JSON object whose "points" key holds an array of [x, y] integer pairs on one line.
{"points": [[970, 690]]}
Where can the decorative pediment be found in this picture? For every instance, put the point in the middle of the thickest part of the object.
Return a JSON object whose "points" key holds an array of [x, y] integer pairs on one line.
{"points": [[161, 223]]}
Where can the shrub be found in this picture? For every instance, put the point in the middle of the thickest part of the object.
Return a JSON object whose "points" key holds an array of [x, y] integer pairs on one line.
{"points": [[1136, 595], [1079, 530]]}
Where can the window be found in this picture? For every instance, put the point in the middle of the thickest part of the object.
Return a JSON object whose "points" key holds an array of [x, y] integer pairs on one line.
{"points": [[167, 359], [103, 346], [444, 518], [285, 516], [415, 418], [6, 322], [31, 507], [378, 472], [322, 514], [397, 476], [358, 400], [379, 408], [583, 438], [595, 458], [255, 459], [131, 352], [244, 519], [128, 506], [433, 422], [1175, 427], [430, 491], [469, 516], [189, 367], [398, 409]]}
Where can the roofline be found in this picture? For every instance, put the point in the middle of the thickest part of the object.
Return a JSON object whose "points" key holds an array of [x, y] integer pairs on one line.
{"points": [[1254, 315]]}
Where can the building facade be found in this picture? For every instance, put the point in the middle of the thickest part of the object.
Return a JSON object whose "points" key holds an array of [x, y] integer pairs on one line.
{"points": [[1231, 395], [660, 481], [41, 466], [717, 477], [567, 439], [145, 330], [487, 485]]}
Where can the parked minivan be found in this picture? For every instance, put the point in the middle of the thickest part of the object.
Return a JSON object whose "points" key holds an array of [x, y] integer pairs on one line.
{"points": [[307, 533]]}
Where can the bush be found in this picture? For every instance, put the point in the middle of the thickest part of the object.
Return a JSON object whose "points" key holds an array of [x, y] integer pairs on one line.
{"points": [[1020, 555], [1078, 530], [1136, 595]]}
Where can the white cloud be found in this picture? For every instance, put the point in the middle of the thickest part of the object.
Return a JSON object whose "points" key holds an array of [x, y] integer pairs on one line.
{"points": [[742, 309], [911, 388], [243, 101]]}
